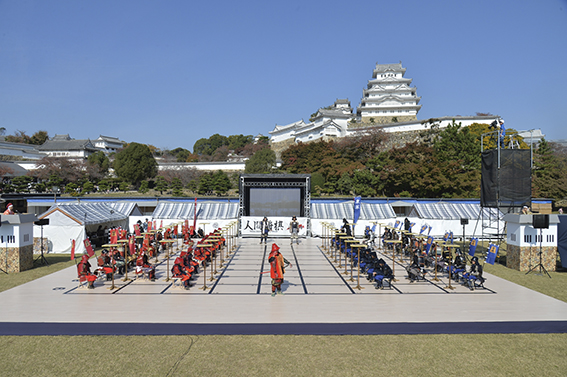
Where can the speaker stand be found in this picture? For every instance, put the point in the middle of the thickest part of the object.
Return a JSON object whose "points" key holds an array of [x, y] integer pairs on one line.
{"points": [[540, 264]]}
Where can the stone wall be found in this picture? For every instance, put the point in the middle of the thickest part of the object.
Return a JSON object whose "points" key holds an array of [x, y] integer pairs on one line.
{"points": [[387, 119], [281, 146], [16, 259], [524, 258]]}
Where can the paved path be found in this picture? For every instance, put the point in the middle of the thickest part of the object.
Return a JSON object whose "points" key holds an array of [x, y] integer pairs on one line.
{"points": [[319, 299]]}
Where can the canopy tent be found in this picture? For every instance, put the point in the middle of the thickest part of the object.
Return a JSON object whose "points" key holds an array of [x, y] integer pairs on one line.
{"points": [[73, 221], [217, 214], [446, 216], [334, 212], [131, 210]]}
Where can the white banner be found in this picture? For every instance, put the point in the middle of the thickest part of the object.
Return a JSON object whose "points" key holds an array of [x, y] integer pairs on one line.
{"points": [[279, 226]]}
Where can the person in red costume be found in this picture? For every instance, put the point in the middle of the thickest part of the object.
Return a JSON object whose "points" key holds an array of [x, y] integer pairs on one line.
{"points": [[9, 209], [277, 269], [84, 270]]}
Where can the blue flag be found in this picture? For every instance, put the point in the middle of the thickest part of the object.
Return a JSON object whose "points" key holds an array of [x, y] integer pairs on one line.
{"points": [[398, 223], [472, 246], [492, 252], [451, 236], [411, 226], [423, 227], [428, 244], [446, 236], [356, 208]]}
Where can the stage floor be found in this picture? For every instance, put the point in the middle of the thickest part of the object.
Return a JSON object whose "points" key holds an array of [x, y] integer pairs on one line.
{"points": [[319, 299]]}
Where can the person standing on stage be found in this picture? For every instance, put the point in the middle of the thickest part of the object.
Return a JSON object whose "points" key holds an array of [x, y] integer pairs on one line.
{"points": [[294, 230], [277, 269], [264, 229]]}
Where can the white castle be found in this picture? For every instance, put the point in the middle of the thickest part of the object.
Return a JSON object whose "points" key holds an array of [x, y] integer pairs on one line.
{"points": [[388, 103]]}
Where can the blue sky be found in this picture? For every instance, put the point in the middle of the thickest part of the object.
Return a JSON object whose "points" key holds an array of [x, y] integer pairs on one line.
{"points": [[168, 73]]}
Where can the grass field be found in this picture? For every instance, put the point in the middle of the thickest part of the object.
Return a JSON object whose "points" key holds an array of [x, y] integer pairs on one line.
{"points": [[266, 355], [391, 355]]}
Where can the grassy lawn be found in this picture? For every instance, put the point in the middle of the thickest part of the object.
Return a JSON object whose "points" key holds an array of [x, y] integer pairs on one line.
{"points": [[402, 355]]}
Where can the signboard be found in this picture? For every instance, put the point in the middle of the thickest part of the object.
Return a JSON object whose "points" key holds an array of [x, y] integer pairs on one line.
{"points": [[279, 226]]}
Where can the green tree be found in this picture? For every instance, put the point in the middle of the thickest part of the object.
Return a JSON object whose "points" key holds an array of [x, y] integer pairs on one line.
{"points": [[161, 184], [363, 183], [39, 138], [135, 163], [22, 183], [237, 142], [261, 162], [456, 143], [18, 137], [72, 188], [144, 187], [100, 160], [103, 185], [549, 176], [344, 184], [123, 186], [177, 187], [205, 184], [317, 182], [193, 185], [221, 182], [88, 187], [210, 145]]}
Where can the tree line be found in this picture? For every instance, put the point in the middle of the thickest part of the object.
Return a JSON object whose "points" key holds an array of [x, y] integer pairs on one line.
{"points": [[444, 163]]}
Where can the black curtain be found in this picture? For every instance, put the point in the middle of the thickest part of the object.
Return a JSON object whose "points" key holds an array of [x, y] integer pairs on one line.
{"points": [[514, 183]]}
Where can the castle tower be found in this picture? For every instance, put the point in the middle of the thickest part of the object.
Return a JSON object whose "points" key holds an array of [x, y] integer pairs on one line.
{"points": [[389, 97]]}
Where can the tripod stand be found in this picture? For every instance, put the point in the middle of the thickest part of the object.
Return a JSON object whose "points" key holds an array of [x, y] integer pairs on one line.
{"points": [[6, 256], [41, 258], [540, 264]]}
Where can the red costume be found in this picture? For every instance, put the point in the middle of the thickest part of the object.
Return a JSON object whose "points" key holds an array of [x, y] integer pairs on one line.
{"points": [[277, 269], [84, 271]]}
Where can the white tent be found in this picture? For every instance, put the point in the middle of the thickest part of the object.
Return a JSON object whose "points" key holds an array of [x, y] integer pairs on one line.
{"points": [[210, 215], [131, 210], [72, 222], [333, 212], [446, 216]]}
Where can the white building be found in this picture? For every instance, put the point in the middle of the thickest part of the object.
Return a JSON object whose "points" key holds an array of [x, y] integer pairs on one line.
{"points": [[329, 122], [65, 146], [108, 144], [389, 96]]}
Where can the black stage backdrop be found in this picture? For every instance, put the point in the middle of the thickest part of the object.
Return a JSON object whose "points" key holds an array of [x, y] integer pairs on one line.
{"points": [[515, 178]]}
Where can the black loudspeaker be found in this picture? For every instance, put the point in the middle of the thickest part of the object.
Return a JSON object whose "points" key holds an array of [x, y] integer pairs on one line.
{"points": [[42, 222], [464, 221], [540, 221]]}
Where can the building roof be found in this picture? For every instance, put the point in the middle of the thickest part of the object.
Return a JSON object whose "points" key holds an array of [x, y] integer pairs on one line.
{"points": [[205, 211], [345, 210], [109, 139], [381, 68], [61, 144], [12, 169], [451, 211], [87, 213]]}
